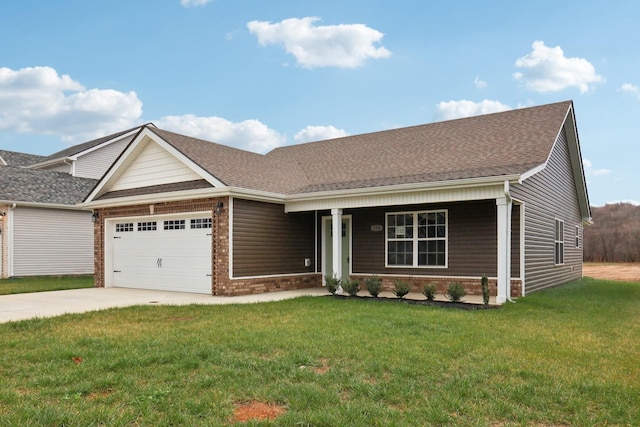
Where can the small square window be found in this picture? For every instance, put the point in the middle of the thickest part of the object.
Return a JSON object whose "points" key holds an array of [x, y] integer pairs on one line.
{"points": [[200, 223], [124, 227], [147, 226], [174, 224]]}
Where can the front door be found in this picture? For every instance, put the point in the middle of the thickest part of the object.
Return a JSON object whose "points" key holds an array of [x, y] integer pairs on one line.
{"points": [[327, 259]]}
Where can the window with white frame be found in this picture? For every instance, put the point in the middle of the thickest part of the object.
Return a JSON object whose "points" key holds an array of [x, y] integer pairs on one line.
{"points": [[577, 236], [147, 226], [174, 224], [559, 242], [201, 223], [124, 227], [416, 239]]}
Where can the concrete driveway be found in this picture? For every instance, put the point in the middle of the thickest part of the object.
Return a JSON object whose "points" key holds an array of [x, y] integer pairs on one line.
{"points": [[55, 303]]}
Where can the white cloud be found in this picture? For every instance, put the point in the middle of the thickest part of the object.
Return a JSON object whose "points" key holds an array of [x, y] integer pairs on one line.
{"points": [[36, 100], [319, 133], [546, 69], [251, 135], [193, 3], [463, 108], [479, 83], [345, 45], [629, 88], [589, 171]]}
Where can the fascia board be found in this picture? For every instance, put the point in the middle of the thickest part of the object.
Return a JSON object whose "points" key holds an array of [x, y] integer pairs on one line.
{"points": [[394, 189], [104, 144], [121, 162], [42, 205]]}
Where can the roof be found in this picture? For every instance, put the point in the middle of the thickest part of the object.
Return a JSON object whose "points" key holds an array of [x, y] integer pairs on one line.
{"points": [[13, 158], [506, 143], [42, 187], [79, 148], [235, 167], [491, 145]]}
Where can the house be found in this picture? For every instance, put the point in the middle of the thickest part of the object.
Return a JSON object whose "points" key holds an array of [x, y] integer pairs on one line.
{"points": [[43, 231], [502, 195]]}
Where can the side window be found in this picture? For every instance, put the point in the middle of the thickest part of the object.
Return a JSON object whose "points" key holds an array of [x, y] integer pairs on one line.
{"points": [[577, 236], [124, 227], [559, 242]]}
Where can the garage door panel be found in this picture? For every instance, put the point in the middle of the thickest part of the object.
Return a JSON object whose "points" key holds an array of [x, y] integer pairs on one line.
{"points": [[172, 260]]}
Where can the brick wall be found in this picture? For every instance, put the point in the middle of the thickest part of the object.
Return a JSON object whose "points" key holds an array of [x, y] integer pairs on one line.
{"points": [[221, 284], [471, 285]]}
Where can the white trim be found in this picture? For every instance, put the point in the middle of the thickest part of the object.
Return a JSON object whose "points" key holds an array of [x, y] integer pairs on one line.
{"points": [[556, 242], [230, 237], [522, 243], [403, 194], [144, 137], [315, 246], [528, 174], [323, 243], [43, 205], [105, 143], [8, 229], [415, 239]]}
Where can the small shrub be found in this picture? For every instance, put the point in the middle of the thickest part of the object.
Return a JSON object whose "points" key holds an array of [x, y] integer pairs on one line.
{"points": [[333, 283], [429, 291], [485, 289], [352, 287], [401, 288], [456, 291], [374, 286]]}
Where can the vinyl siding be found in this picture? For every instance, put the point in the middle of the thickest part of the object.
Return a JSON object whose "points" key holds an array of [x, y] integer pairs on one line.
{"points": [[472, 240], [154, 166], [95, 164], [267, 241], [52, 242], [549, 195]]}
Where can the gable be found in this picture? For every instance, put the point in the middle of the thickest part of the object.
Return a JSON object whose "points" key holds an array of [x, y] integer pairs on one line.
{"points": [[95, 163], [153, 165]]}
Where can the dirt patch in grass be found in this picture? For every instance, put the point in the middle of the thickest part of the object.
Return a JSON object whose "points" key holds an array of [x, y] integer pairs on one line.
{"points": [[255, 410], [626, 272]]}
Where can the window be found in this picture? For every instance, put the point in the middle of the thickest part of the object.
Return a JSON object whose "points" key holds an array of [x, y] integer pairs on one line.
{"points": [[147, 226], [559, 242], [201, 223], [417, 239], [174, 224], [577, 236], [124, 227]]}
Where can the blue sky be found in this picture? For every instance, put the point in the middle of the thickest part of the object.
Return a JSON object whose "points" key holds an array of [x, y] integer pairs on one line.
{"points": [[258, 74]]}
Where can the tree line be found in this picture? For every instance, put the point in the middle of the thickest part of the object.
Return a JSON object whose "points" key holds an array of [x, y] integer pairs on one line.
{"points": [[614, 235]]}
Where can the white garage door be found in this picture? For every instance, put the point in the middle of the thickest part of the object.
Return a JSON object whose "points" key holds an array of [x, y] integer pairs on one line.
{"points": [[171, 254]]}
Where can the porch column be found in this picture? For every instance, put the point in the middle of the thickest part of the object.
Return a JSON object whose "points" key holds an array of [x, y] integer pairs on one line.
{"points": [[504, 249], [336, 241]]}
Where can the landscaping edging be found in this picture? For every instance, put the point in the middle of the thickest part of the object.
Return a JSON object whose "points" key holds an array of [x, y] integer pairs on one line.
{"points": [[441, 304]]}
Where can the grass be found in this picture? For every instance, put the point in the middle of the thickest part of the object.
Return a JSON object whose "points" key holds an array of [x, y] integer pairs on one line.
{"points": [[568, 356], [22, 285]]}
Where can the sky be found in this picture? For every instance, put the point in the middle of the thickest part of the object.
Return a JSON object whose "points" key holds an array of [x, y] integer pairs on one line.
{"points": [[258, 74]]}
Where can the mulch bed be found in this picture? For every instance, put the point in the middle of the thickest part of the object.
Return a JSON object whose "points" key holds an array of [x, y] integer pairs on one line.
{"points": [[441, 304]]}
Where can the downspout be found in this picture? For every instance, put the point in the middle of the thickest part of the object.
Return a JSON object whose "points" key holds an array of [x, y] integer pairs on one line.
{"points": [[9, 236], [507, 195]]}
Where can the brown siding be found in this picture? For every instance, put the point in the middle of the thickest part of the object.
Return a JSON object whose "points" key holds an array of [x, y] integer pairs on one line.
{"points": [[267, 241], [548, 195], [472, 240]]}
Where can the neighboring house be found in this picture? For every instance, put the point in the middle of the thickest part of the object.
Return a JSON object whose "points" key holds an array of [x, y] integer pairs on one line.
{"points": [[43, 231], [501, 194]]}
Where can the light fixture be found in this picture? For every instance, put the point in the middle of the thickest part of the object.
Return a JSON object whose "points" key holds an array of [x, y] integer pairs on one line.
{"points": [[219, 207], [2, 214], [95, 216]]}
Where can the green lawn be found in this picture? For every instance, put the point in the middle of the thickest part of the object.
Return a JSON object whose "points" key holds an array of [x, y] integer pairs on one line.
{"points": [[568, 356], [22, 285]]}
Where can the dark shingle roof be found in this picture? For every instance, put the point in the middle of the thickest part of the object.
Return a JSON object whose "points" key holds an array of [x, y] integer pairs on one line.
{"points": [[13, 158], [71, 151], [511, 142], [41, 186], [237, 168]]}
